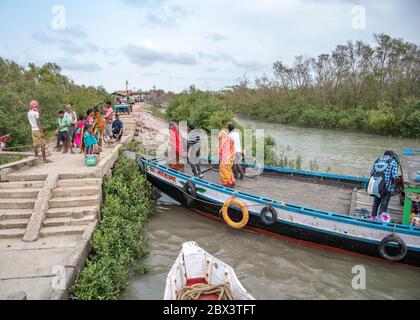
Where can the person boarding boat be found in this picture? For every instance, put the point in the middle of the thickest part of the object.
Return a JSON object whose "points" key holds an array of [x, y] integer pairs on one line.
{"points": [[226, 159]]}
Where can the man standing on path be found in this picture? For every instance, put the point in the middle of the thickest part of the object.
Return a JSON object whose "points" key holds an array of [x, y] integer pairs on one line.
{"points": [[38, 136], [71, 116], [237, 167]]}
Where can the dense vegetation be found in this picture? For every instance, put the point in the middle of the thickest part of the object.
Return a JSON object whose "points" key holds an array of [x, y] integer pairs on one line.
{"points": [[356, 86], [204, 109], [120, 238], [49, 87], [207, 111]]}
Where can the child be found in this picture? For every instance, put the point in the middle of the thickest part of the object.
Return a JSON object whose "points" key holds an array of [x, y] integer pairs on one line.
{"points": [[63, 132], [89, 140], [79, 131]]}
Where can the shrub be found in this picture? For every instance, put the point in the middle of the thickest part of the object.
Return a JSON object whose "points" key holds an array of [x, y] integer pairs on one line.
{"points": [[121, 235]]}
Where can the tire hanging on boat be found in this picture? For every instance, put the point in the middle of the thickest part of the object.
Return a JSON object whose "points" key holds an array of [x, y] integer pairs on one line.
{"points": [[245, 213], [393, 238], [190, 192], [266, 220]]}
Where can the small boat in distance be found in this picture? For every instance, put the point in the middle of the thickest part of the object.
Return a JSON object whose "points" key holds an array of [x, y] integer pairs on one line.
{"points": [[197, 275]]}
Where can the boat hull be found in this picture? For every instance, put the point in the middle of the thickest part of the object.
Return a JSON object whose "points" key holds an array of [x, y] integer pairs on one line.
{"points": [[305, 234]]}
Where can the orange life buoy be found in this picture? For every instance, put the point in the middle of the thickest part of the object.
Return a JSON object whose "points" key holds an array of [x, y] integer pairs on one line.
{"points": [[245, 214]]}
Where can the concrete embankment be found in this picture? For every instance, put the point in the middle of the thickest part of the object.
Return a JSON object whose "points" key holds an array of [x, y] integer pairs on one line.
{"points": [[48, 214]]}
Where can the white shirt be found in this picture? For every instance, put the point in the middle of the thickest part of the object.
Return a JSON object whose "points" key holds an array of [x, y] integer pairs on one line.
{"points": [[32, 116], [69, 116], [234, 135]]}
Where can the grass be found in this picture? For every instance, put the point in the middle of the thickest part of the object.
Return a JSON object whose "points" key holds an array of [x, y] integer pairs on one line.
{"points": [[5, 159]]}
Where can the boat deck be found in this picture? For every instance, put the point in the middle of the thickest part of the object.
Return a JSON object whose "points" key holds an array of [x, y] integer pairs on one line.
{"points": [[307, 193]]}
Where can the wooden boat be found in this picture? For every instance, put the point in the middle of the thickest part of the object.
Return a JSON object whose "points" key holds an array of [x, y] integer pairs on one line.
{"points": [[322, 208], [194, 266]]}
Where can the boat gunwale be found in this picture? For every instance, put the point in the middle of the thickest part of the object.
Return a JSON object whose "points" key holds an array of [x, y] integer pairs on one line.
{"points": [[331, 176], [343, 218]]}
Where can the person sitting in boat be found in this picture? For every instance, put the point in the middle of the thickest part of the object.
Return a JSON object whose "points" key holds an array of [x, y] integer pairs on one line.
{"points": [[194, 150], [226, 158], [176, 148], [391, 177]]}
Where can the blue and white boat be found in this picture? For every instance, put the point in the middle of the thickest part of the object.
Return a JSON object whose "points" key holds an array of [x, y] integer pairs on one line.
{"points": [[319, 208]]}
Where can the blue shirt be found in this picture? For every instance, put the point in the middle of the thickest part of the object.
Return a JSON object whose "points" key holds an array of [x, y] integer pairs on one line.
{"points": [[391, 172], [117, 125]]}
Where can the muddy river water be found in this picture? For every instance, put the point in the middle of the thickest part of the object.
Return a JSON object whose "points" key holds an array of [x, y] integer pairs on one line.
{"points": [[278, 269]]}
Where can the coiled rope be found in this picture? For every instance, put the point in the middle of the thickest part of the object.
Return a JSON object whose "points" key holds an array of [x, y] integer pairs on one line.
{"points": [[194, 292]]}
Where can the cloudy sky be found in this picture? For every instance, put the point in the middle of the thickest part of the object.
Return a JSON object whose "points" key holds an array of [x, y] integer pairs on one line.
{"points": [[174, 43]]}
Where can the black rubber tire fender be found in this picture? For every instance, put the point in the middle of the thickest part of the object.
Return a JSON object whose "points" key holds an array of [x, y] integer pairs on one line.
{"points": [[190, 192], [263, 216], [393, 239]]}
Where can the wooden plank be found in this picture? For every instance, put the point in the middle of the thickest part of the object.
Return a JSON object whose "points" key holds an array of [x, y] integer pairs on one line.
{"points": [[390, 208], [353, 202]]}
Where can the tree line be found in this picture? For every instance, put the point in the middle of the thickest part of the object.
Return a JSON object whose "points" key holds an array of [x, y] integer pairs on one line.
{"points": [[357, 86], [47, 85]]}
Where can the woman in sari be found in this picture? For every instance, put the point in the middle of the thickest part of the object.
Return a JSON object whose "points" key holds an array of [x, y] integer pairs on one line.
{"points": [[99, 126], [226, 159], [79, 131], [176, 148]]}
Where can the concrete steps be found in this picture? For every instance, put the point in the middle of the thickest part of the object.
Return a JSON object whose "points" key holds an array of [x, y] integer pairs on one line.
{"points": [[19, 193], [89, 190], [75, 213], [9, 214], [11, 233], [78, 182], [68, 221], [27, 177], [14, 223], [17, 203], [62, 231], [74, 205], [21, 185], [68, 202]]}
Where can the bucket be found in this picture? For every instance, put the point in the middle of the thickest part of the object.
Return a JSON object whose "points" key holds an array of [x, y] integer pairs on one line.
{"points": [[90, 161]]}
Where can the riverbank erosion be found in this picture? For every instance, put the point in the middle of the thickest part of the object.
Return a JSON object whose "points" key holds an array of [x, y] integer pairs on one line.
{"points": [[48, 215]]}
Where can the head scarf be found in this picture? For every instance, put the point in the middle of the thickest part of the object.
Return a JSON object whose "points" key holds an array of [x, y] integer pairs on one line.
{"points": [[33, 105]]}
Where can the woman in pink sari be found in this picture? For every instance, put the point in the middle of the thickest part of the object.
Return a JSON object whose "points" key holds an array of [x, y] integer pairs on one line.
{"points": [[79, 131]]}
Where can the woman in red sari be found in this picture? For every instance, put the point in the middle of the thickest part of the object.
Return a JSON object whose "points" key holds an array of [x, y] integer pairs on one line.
{"points": [[226, 159], [176, 148]]}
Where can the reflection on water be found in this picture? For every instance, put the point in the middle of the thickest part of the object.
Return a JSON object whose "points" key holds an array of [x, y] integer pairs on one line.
{"points": [[342, 152], [269, 268], [276, 269]]}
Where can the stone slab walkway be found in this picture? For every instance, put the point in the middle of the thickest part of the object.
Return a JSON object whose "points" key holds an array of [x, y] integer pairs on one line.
{"points": [[48, 214]]}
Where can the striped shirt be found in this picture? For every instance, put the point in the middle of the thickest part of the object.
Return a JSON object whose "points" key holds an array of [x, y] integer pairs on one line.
{"points": [[194, 137]]}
